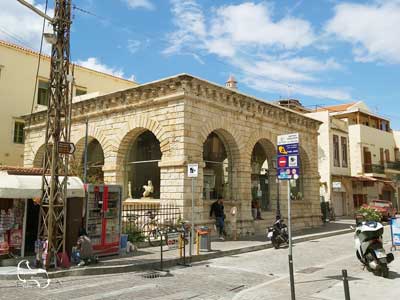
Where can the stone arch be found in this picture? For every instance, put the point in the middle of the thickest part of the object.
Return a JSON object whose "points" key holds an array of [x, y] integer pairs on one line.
{"points": [[226, 129], [132, 129], [233, 163], [94, 133], [266, 139], [127, 135], [96, 159], [263, 185], [39, 157]]}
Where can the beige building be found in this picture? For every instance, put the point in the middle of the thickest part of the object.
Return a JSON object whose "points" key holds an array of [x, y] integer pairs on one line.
{"points": [[334, 163], [373, 152], [18, 68], [151, 132]]}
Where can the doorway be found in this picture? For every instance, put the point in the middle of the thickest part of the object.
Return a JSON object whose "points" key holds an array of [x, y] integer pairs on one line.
{"points": [[32, 223]]}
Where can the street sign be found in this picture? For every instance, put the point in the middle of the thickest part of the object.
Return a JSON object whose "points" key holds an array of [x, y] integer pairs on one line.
{"points": [[285, 139], [288, 156], [395, 230], [282, 162], [173, 240], [336, 185], [66, 148], [193, 170]]}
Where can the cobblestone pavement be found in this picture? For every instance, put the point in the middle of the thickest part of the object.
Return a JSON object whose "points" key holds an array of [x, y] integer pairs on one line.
{"points": [[255, 275]]}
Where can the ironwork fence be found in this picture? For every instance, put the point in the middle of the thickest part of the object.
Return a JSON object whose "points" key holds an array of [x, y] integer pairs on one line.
{"points": [[141, 219]]}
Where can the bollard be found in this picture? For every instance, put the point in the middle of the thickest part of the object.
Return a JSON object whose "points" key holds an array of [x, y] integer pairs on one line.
{"points": [[180, 246], [161, 251], [346, 285], [198, 243]]}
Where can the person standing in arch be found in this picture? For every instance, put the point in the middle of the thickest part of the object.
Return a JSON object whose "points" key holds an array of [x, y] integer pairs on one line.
{"points": [[217, 209]]}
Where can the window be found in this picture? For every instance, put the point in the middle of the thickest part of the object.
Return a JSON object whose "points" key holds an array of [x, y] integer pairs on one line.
{"points": [[80, 91], [336, 161], [396, 154], [387, 155], [344, 151], [381, 156], [19, 132], [43, 93]]}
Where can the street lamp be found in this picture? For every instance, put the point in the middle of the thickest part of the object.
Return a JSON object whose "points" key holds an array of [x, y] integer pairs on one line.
{"points": [[278, 206]]}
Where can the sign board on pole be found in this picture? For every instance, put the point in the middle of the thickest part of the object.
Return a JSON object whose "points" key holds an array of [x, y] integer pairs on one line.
{"points": [[193, 170], [337, 185], [395, 225], [66, 148], [173, 240], [288, 156]]}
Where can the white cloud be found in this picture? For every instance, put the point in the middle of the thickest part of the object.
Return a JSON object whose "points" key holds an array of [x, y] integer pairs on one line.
{"points": [[252, 23], [19, 25], [268, 85], [133, 46], [189, 21], [263, 49], [372, 29], [140, 4], [95, 64]]}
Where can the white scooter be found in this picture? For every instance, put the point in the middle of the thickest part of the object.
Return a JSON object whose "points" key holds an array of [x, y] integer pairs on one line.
{"points": [[369, 248]]}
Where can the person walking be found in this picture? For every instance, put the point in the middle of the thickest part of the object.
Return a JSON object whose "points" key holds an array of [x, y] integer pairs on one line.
{"points": [[217, 209]]}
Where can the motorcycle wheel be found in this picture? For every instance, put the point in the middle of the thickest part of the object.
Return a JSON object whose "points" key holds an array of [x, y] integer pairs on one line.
{"points": [[275, 243]]}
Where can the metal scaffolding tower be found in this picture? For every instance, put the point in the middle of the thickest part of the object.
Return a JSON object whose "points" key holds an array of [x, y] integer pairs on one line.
{"points": [[52, 222]]}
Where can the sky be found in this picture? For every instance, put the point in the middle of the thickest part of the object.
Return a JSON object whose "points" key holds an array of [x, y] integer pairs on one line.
{"points": [[321, 52]]}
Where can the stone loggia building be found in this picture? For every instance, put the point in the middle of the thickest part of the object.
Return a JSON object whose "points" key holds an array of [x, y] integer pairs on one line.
{"points": [[152, 131]]}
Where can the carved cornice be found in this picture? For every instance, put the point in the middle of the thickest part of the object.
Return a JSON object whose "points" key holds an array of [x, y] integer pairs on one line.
{"points": [[177, 87]]}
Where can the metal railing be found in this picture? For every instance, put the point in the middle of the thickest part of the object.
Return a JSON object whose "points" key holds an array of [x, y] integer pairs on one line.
{"points": [[393, 165], [372, 168], [143, 218]]}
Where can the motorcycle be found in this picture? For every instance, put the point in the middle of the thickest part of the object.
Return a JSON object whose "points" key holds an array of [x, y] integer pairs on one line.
{"points": [[369, 248], [278, 233]]}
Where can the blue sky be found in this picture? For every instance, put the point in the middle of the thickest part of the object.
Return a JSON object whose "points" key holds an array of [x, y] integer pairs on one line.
{"points": [[321, 52]]}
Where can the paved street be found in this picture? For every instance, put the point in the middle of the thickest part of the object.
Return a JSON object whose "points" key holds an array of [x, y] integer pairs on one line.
{"points": [[255, 275]]}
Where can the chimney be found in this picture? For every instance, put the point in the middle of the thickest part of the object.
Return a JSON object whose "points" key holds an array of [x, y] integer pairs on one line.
{"points": [[231, 83]]}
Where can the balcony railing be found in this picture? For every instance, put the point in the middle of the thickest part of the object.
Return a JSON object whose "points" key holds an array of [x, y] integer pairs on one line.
{"points": [[371, 168], [393, 165]]}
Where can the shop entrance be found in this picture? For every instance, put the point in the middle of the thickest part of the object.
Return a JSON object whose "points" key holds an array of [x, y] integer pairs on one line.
{"points": [[32, 223]]}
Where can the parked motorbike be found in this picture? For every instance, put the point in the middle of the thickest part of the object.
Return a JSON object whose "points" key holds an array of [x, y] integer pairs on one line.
{"points": [[278, 233], [369, 248]]}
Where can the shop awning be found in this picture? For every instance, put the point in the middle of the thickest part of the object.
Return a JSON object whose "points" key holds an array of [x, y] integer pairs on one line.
{"points": [[29, 186]]}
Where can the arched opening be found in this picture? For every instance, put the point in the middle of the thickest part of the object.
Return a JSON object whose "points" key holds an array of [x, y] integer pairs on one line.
{"points": [[262, 174], [217, 170], [39, 157], [95, 162], [141, 166]]}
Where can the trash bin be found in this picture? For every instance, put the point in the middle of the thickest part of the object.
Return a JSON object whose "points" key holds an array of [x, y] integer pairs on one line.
{"points": [[123, 242], [205, 238]]}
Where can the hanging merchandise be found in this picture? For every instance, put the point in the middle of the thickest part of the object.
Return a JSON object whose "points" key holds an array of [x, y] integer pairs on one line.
{"points": [[103, 218]]}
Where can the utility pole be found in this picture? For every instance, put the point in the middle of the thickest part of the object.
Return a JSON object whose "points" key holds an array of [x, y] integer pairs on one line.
{"points": [[52, 219]]}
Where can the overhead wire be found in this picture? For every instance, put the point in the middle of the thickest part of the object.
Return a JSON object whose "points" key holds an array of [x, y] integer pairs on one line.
{"points": [[37, 71]]}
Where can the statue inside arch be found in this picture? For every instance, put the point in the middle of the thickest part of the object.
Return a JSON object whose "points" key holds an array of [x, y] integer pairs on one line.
{"points": [[148, 189]]}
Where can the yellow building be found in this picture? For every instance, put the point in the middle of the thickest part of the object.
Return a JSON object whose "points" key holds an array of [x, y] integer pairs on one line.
{"points": [[18, 67]]}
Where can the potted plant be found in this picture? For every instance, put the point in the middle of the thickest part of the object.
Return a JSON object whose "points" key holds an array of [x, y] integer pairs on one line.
{"points": [[367, 214]]}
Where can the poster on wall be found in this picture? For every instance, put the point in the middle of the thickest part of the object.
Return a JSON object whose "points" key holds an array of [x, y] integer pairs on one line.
{"points": [[16, 238], [395, 226]]}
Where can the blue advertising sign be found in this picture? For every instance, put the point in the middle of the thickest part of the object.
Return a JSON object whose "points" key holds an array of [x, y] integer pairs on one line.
{"points": [[288, 159], [395, 230]]}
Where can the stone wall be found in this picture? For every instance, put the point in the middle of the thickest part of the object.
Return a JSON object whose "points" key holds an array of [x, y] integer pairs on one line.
{"points": [[181, 112]]}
